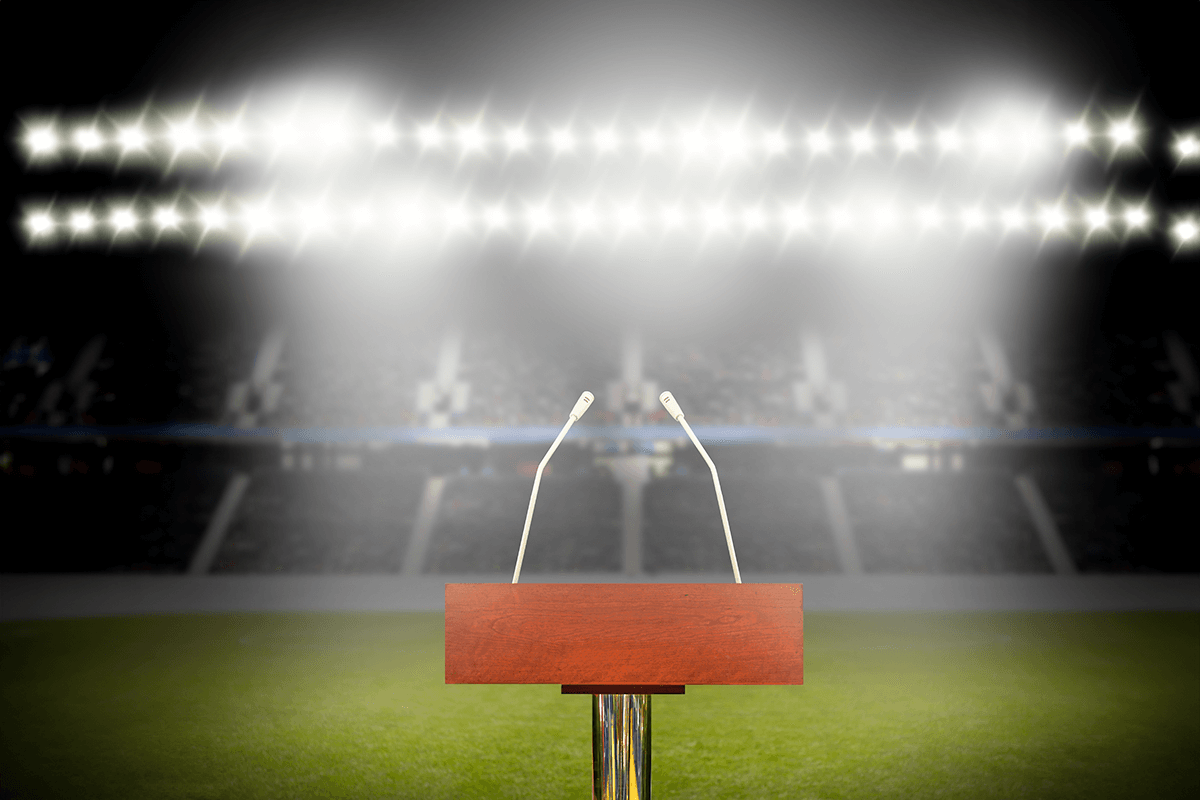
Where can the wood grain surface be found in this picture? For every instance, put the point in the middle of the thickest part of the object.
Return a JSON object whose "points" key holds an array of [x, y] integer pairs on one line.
{"points": [[621, 633]]}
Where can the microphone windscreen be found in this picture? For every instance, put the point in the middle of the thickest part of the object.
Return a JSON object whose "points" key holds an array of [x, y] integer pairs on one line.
{"points": [[581, 405], [672, 407]]}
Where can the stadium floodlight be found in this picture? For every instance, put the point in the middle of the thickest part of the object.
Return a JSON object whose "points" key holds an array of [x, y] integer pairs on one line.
{"points": [[314, 218], [1187, 147], [1012, 219], [650, 140], [516, 139], [839, 218], [88, 139], [906, 140], [693, 140], [183, 136], [796, 218], [123, 219], [258, 218], [987, 141], [584, 218], [950, 140], [495, 218], [862, 141], [361, 216], [819, 142], [333, 136], [166, 217], [383, 134], [131, 138], [230, 135], [672, 217], [973, 219], [42, 141], [470, 138], [629, 217], [1136, 217], [929, 217], [715, 218], [1077, 134], [1096, 218], [1052, 218], [1122, 132], [40, 223], [605, 140], [733, 143], [753, 219], [456, 217], [562, 140], [1185, 230], [82, 221], [775, 143], [429, 135], [539, 218], [212, 218], [884, 217]]}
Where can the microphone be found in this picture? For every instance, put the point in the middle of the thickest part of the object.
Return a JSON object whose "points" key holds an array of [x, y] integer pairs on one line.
{"points": [[581, 405], [672, 407]]}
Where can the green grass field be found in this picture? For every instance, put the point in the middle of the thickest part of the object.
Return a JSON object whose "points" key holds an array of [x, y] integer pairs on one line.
{"points": [[354, 706]]}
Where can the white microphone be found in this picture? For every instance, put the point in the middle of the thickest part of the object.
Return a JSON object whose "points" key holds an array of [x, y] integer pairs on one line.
{"points": [[581, 405], [672, 407]]}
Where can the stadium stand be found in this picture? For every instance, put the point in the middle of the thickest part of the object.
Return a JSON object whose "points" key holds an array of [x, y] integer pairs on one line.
{"points": [[941, 523], [576, 528], [321, 522]]}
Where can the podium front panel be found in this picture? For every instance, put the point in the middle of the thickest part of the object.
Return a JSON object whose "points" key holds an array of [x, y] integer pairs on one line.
{"points": [[622, 634]]}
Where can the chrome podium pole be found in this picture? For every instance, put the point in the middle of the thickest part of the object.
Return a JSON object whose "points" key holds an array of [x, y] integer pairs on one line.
{"points": [[620, 747]]}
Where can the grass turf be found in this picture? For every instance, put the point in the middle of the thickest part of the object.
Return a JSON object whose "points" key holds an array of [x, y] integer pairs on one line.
{"points": [[354, 706]]}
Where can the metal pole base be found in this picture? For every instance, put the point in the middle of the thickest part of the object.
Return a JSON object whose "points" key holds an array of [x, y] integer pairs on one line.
{"points": [[620, 747]]}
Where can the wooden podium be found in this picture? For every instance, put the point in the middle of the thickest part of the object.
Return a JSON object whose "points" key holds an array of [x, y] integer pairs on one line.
{"points": [[622, 643]]}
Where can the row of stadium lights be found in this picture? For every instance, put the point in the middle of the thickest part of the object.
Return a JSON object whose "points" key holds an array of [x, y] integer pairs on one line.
{"points": [[258, 220], [186, 136]]}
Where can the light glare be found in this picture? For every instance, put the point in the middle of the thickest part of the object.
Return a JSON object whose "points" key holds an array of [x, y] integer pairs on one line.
{"points": [[42, 141]]}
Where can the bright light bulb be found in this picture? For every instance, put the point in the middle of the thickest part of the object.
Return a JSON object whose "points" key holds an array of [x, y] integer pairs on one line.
{"points": [[42, 141], [862, 141], [1122, 132], [230, 135], [88, 139], [651, 141], [1136, 217], [715, 217], [131, 138], [1096, 218], [123, 219], [795, 218], [383, 134], [166, 218], [733, 144], [82, 221], [606, 140], [516, 139], [361, 216], [929, 217], [470, 138], [456, 217], [40, 223], [1077, 134], [819, 142], [184, 136], [693, 141], [212, 218], [495, 218], [1013, 218], [429, 136], [629, 217], [775, 143], [314, 218], [672, 217], [562, 140], [333, 136], [906, 140], [950, 140], [539, 218], [1185, 230], [753, 219], [1053, 219], [258, 218], [1187, 146], [839, 219], [584, 217], [973, 219], [884, 217]]}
